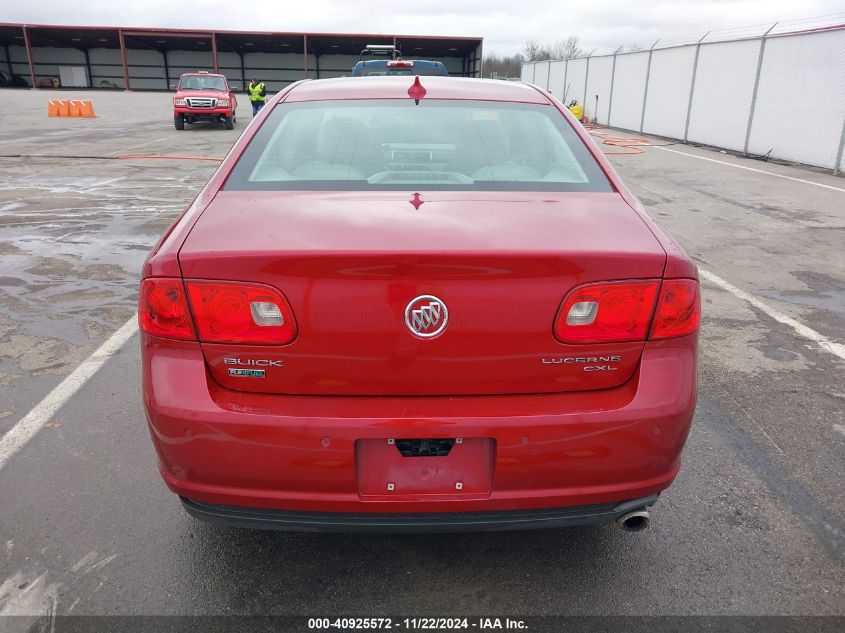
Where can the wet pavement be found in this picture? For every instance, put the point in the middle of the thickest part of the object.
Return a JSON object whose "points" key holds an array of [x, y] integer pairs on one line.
{"points": [[75, 231], [755, 523]]}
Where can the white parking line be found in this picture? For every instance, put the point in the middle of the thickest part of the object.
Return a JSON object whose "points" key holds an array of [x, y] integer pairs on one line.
{"points": [[17, 437], [837, 349], [759, 171]]}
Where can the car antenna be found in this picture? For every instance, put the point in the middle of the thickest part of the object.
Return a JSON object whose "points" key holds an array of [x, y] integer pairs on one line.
{"points": [[416, 91]]}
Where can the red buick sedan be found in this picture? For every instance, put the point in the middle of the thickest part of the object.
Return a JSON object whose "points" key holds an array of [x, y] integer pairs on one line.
{"points": [[418, 305]]}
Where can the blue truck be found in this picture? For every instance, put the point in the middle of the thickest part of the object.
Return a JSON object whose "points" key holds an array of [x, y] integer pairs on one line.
{"points": [[394, 65]]}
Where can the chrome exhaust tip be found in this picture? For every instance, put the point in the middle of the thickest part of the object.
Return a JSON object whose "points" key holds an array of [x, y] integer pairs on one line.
{"points": [[635, 521]]}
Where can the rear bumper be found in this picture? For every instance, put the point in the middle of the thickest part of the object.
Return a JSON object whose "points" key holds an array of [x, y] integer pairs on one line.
{"points": [[292, 521], [255, 452]]}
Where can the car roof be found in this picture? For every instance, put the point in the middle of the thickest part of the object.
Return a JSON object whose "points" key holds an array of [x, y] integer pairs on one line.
{"points": [[203, 75], [397, 88]]}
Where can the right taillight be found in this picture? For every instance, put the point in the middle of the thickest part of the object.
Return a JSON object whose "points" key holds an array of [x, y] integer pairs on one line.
{"points": [[607, 312], [678, 309], [622, 311]]}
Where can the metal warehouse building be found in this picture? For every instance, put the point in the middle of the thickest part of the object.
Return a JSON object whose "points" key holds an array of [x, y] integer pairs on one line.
{"points": [[153, 59]]}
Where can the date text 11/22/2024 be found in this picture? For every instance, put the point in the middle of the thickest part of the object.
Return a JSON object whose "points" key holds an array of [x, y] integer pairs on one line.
{"points": [[416, 624]]}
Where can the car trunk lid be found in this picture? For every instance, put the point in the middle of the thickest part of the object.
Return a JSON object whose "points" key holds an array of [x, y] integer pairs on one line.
{"points": [[350, 264]]}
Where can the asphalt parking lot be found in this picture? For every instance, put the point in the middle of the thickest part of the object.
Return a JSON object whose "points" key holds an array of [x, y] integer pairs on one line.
{"points": [[755, 523]]}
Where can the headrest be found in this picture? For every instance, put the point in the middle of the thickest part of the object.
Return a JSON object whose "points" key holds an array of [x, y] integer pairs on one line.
{"points": [[346, 141], [483, 142]]}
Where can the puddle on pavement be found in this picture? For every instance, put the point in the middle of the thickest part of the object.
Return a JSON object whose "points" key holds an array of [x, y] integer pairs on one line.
{"points": [[73, 237]]}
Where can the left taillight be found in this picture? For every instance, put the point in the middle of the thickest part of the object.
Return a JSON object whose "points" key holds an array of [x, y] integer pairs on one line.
{"points": [[163, 309], [240, 313]]}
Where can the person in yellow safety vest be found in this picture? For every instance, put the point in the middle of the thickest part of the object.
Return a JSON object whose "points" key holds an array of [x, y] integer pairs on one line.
{"points": [[257, 93]]}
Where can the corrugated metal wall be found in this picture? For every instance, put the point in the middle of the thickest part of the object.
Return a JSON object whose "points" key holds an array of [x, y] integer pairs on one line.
{"points": [[557, 78], [17, 54], [179, 62], [106, 68], [724, 83], [336, 65], [598, 88], [105, 63], [576, 76], [628, 91], [276, 69], [229, 64], [151, 69], [668, 91], [47, 59], [146, 69], [528, 73], [798, 112], [542, 73]]}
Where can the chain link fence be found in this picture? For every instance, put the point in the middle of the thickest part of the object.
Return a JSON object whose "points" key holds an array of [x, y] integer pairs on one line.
{"points": [[778, 94]]}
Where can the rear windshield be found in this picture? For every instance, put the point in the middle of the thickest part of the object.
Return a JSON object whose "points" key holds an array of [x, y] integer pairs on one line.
{"points": [[202, 82], [437, 145]]}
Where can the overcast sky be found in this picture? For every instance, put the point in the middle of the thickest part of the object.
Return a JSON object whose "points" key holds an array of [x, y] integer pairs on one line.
{"points": [[505, 24]]}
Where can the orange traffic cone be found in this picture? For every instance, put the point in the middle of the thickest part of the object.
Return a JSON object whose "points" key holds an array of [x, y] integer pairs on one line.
{"points": [[72, 108], [86, 109]]}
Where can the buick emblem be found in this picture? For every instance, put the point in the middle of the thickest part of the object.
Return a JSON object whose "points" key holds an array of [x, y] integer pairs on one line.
{"points": [[426, 316]]}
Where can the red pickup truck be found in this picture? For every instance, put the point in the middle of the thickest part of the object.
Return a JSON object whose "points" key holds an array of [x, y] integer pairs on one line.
{"points": [[202, 96]]}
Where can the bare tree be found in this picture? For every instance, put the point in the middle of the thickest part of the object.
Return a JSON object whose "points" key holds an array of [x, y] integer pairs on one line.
{"points": [[531, 50], [503, 66], [567, 49], [536, 52]]}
